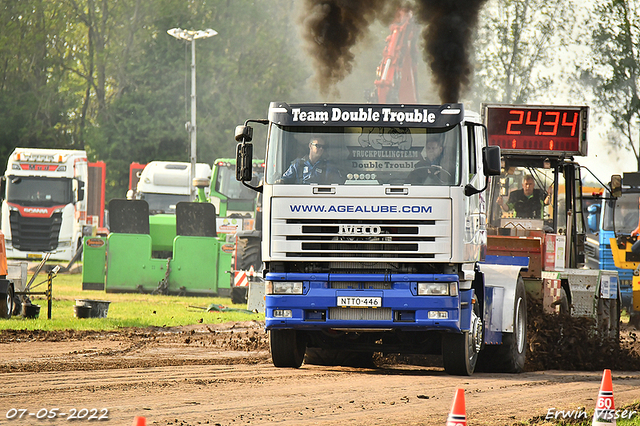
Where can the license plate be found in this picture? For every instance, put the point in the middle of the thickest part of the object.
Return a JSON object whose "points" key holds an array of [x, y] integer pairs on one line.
{"points": [[34, 256], [359, 302]]}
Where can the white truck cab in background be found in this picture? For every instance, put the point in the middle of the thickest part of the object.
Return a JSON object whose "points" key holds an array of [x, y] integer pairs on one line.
{"points": [[165, 183], [44, 208]]}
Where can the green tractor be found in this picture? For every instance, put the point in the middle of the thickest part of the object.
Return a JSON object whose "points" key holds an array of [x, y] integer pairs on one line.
{"points": [[240, 218]]}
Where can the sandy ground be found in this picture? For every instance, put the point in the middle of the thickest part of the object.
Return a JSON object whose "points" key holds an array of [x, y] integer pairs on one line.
{"points": [[222, 375]]}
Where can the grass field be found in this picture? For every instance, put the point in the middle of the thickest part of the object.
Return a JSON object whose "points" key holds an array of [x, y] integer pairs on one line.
{"points": [[125, 309]]}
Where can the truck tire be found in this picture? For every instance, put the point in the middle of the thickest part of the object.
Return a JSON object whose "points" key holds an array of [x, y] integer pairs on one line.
{"points": [[460, 351], [239, 295], [509, 357], [287, 348], [6, 303], [248, 253], [338, 357]]}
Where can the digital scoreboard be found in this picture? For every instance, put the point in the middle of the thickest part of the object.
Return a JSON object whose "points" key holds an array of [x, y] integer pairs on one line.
{"points": [[540, 129]]}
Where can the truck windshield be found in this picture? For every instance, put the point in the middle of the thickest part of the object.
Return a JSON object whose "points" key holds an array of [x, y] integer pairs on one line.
{"points": [[162, 203], [625, 215], [363, 155], [39, 191], [227, 185]]}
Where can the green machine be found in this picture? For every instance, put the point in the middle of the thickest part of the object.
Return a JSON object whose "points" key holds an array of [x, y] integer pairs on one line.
{"points": [[155, 257], [240, 218], [128, 259], [231, 198]]}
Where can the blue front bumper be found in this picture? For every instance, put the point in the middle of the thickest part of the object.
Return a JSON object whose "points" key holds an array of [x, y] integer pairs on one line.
{"points": [[401, 307]]}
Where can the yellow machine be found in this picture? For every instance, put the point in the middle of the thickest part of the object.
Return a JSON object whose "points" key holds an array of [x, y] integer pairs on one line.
{"points": [[625, 258]]}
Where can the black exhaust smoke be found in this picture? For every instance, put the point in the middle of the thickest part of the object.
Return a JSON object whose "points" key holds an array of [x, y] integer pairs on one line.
{"points": [[331, 28], [449, 26]]}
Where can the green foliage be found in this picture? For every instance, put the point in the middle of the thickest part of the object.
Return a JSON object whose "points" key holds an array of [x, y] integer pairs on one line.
{"points": [[614, 73], [238, 71], [106, 77], [125, 309], [517, 41], [36, 91]]}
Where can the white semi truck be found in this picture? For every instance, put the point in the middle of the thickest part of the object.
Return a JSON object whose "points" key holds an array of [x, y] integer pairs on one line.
{"points": [[377, 248], [366, 262], [44, 209]]}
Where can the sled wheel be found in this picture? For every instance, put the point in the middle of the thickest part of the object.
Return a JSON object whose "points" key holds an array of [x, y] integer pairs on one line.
{"points": [[287, 348]]}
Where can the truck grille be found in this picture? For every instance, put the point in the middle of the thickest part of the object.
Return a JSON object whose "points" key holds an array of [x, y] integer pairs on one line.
{"points": [[383, 239], [372, 285], [360, 314], [35, 233]]}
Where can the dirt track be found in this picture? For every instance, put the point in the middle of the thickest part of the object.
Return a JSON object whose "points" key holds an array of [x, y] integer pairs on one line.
{"points": [[222, 374]]}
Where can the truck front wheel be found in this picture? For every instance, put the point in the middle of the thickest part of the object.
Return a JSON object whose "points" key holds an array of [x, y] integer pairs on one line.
{"points": [[460, 351], [287, 348]]}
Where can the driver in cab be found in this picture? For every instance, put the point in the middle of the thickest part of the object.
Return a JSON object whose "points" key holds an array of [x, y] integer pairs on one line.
{"points": [[312, 168], [429, 166]]}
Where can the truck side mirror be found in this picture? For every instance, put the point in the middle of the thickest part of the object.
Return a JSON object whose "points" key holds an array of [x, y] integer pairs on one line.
{"points": [[491, 159], [616, 186], [244, 163]]}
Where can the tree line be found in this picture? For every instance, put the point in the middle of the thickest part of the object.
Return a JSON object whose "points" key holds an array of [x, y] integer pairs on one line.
{"points": [[104, 75]]}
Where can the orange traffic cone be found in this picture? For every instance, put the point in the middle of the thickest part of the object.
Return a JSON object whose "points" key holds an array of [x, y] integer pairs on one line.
{"points": [[457, 416], [604, 414], [139, 421]]}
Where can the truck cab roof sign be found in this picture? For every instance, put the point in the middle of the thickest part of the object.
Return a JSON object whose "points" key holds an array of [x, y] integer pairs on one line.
{"points": [[366, 115]]}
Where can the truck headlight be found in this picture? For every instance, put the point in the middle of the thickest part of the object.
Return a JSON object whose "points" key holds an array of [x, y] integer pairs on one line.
{"points": [[437, 289], [284, 287]]}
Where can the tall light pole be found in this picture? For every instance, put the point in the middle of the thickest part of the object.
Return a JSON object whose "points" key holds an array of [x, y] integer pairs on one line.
{"points": [[192, 36]]}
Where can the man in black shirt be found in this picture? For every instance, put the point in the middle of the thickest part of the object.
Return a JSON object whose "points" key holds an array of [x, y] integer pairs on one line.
{"points": [[527, 202]]}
